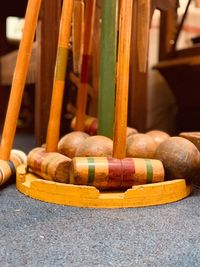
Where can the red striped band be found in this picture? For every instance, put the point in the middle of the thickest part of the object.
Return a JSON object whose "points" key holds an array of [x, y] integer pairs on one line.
{"points": [[85, 69]]}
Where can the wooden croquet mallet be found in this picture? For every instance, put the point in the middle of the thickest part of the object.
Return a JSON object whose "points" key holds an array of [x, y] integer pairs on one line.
{"points": [[84, 77], [47, 162], [118, 172], [17, 88], [53, 130]]}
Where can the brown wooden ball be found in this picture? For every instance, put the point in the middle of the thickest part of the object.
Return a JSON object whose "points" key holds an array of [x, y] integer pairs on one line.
{"points": [[158, 136], [130, 131], [180, 158], [140, 146], [69, 143], [97, 145]]}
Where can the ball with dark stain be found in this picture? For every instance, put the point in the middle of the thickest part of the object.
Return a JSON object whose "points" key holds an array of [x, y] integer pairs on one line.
{"points": [[95, 146], [69, 143], [140, 146], [158, 136], [180, 158]]}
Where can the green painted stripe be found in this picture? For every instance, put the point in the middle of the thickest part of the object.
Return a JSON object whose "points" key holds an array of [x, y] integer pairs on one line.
{"points": [[107, 78], [91, 170], [149, 171], [61, 64]]}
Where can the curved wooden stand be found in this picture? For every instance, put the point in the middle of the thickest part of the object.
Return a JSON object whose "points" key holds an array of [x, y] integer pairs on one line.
{"points": [[90, 197]]}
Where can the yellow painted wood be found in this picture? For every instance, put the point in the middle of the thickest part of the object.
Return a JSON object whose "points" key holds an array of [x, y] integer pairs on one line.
{"points": [[89, 196]]}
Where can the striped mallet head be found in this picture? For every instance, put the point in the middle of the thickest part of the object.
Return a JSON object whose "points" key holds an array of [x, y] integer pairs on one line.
{"points": [[51, 166], [8, 168], [110, 173]]}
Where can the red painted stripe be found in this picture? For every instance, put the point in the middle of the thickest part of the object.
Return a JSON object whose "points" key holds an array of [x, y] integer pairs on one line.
{"points": [[85, 69], [120, 173], [128, 172], [114, 173]]}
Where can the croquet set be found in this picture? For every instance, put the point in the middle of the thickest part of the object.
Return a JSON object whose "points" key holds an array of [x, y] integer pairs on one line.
{"points": [[101, 163]]}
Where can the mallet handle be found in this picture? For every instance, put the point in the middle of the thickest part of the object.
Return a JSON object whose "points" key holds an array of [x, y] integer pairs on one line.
{"points": [[87, 49], [143, 25], [19, 78], [107, 79], [119, 145], [77, 34], [53, 131]]}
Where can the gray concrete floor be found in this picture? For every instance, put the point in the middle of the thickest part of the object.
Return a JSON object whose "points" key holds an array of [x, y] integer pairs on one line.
{"points": [[35, 233]]}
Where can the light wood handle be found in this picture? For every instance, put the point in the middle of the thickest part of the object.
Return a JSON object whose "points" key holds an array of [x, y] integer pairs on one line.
{"points": [[19, 78], [53, 131], [77, 34], [143, 25], [87, 49], [119, 142]]}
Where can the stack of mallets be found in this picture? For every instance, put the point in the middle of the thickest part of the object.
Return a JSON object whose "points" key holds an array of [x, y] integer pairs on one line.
{"points": [[115, 172], [9, 160]]}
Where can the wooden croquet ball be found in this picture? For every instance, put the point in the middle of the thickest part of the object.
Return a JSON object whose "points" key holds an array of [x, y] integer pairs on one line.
{"points": [[130, 131], [95, 146], [69, 143], [180, 158], [140, 146], [158, 136]]}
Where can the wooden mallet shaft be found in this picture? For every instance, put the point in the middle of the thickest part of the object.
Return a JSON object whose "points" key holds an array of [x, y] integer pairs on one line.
{"points": [[53, 130], [107, 80], [121, 104], [87, 49], [8, 160], [77, 34], [19, 78], [143, 26]]}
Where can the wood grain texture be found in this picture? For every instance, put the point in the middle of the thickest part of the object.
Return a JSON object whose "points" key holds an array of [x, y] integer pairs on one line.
{"points": [[53, 132], [77, 34], [143, 26], [87, 48], [51, 166], [107, 173], [137, 112], [19, 78], [89, 196], [107, 79], [119, 146]]}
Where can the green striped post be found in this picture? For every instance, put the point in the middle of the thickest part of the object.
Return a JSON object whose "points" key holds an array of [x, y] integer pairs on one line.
{"points": [[107, 68]]}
